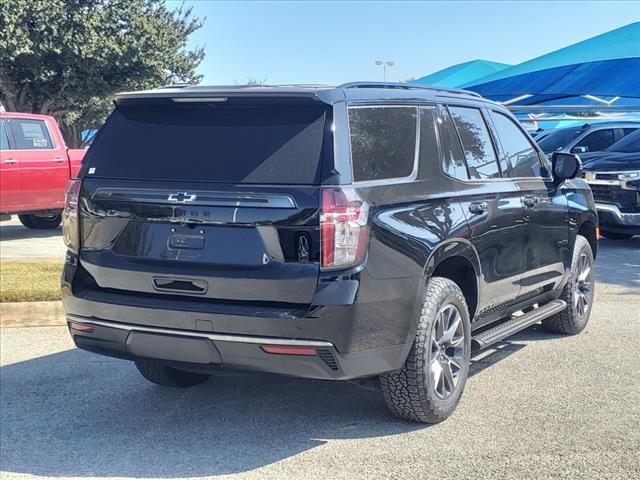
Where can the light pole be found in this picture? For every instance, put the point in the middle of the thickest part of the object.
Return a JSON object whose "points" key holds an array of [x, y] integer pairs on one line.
{"points": [[385, 64]]}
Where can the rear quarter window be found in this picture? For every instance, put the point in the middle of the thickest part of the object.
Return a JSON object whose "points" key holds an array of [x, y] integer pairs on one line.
{"points": [[383, 142]]}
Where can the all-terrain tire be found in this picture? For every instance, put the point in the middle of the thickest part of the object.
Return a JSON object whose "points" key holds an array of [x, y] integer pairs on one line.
{"points": [[615, 235], [410, 393], [570, 321], [169, 376], [40, 222]]}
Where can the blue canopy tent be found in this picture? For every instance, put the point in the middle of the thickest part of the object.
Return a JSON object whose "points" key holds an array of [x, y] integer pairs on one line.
{"points": [[462, 73], [599, 78], [599, 75]]}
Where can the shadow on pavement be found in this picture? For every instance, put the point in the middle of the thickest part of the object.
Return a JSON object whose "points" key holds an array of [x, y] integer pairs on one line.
{"points": [[18, 232], [618, 262], [77, 414]]}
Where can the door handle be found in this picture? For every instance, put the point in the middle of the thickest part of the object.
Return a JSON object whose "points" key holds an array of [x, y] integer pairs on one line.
{"points": [[530, 201], [478, 207], [58, 160], [10, 161]]}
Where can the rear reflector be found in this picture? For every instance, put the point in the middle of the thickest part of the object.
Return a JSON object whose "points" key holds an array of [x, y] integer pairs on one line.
{"points": [[279, 350], [80, 327]]}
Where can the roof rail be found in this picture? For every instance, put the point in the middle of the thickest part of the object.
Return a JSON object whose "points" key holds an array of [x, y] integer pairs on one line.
{"points": [[176, 85], [406, 86]]}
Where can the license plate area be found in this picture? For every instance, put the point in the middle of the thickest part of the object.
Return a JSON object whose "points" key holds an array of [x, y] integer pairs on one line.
{"points": [[173, 348]]}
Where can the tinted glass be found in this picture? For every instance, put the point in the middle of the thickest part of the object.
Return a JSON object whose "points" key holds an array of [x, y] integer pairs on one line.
{"points": [[383, 142], [454, 164], [30, 134], [627, 131], [476, 142], [559, 139], [519, 158], [598, 140], [274, 144], [429, 153], [629, 144], [4, 141]]}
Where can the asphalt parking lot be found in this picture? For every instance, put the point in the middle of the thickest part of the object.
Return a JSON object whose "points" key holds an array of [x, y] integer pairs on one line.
{"points": [[537, 406], [17, 242]]}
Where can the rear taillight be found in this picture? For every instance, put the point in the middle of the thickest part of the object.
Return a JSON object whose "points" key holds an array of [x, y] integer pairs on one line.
{"points": [[70, 231], [344, 228]]}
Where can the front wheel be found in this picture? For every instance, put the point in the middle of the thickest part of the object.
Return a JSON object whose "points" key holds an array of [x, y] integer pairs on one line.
{"points": [[169, 376], [429, 385], [39, 221], [578, 293]]}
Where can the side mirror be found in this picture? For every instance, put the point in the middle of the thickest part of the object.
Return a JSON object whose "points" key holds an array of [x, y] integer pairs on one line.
{"points": [[565, 166], [579, 149]]}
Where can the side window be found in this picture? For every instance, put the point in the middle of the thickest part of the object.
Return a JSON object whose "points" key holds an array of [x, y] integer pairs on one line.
{"points": [[4, 140], [429, 153], [627, 131], [30, 134], [519, 158], [598, 140], [476, 142], [383, 142], [454, 164]]}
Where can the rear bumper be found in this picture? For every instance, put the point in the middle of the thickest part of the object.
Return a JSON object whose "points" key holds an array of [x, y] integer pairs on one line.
{"points": [[202, 351], [611, 218]]}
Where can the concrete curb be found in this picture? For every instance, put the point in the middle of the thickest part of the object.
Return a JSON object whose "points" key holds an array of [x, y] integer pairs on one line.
{"points": [[31, 314]]}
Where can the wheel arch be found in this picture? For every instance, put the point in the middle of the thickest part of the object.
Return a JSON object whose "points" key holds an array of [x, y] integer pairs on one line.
{"points": [[458, 261], [589, 230]]}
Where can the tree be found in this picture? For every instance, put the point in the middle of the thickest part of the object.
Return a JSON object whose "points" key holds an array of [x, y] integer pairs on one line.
{"points": [[68, 57]]}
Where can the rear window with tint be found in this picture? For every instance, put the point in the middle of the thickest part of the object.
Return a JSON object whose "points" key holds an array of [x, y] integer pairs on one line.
{"points": [[383, 142], [279, 144]]}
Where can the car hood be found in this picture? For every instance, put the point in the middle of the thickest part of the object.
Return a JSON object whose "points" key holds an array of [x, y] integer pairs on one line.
{"points": [[607, 161]]}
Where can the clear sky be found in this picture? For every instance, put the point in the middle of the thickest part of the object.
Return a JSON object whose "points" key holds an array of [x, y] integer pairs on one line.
{"points": [[334, 42]]}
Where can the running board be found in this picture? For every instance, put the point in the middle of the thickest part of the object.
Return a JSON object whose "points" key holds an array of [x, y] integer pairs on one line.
{"points": [[513, 326]]}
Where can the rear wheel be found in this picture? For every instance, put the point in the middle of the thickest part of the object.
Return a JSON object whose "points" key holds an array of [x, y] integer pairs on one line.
{"points": [[578, 293], [427, 389], [615, 236], [169, 376], [38, 221]]}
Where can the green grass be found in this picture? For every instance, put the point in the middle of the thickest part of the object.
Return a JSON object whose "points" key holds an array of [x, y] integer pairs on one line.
{"points": [[30, 281]]}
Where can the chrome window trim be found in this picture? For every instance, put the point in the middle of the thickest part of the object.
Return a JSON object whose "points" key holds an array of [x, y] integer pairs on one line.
{"points": [[392, 180], [219, 337]]}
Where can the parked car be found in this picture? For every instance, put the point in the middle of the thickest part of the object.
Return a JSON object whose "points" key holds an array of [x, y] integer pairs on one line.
{"points": [[35, 168], [322, 232], [586, 138], [614, 178]]}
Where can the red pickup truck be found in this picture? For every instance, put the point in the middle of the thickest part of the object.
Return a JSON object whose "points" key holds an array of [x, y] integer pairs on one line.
{"points": [[35, 166]]}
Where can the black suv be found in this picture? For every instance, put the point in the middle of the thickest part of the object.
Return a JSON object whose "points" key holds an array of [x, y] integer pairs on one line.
{"points": [[322, 232]]}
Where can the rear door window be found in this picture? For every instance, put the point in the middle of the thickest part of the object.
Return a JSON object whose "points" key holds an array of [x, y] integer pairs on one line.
{"points": [[383, 142], [30, 134], [598, 140], [518, 157], [478, 149], [269, 144]]}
